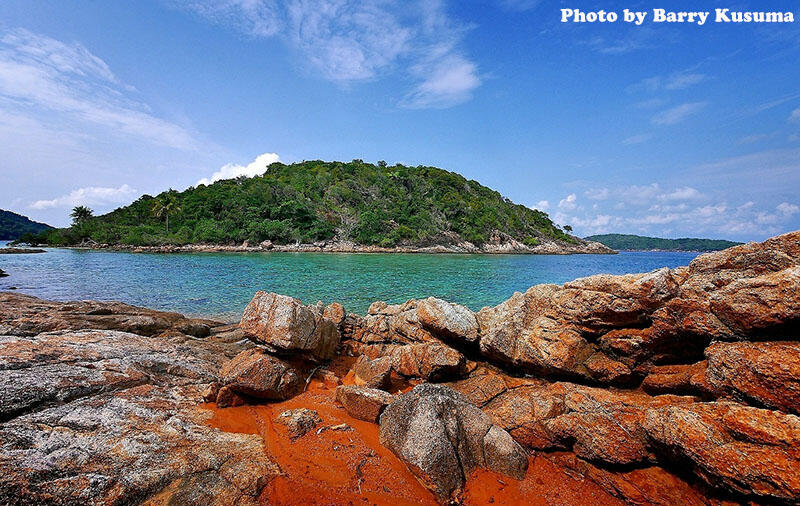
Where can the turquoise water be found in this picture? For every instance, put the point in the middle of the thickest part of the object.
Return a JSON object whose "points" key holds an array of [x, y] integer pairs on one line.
{"points": [[221, 284]]}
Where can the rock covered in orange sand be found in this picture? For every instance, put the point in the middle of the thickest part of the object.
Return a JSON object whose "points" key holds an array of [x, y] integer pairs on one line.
{"points": [[448, 320], [255, 373], [285, 325], [442, 438], [363, 403]]}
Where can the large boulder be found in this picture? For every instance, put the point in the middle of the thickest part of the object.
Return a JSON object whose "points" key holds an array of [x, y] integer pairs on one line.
{"points": [[443, 438], [363, 403], [257, 374], [448, 320], [285, 326]]}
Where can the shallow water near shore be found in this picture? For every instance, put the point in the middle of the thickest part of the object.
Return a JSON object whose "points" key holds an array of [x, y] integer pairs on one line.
{"points": [[220, 285]]}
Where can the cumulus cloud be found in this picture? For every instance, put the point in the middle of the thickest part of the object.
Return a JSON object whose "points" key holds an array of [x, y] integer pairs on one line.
{"points": [[89, 196], [356, 40], [678, 113], [685, 193], [233, 170], [40, 75], [787, 209], [542, 205], [568, 203]]}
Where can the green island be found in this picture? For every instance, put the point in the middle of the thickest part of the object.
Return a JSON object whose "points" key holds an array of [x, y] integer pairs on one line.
{"points": [[13, 226], [359, 203], [641, 243]]}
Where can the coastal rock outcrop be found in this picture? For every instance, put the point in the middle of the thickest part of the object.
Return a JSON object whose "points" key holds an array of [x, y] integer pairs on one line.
{"points": [[286, 326], [443, 438], [106, 417], [24, 315]]}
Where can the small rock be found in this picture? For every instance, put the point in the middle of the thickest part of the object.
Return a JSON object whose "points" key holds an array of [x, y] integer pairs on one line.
{"points": [[299, 421], [363, 403], [255, 373], [373, 373]]}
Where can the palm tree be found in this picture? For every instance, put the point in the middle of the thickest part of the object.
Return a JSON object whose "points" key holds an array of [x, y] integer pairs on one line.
{"points": [[165, 204], [80, 214]]}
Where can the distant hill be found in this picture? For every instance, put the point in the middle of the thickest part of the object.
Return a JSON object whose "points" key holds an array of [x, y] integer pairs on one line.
{"points": [[366, 204], [13, 226], [638, 242]]}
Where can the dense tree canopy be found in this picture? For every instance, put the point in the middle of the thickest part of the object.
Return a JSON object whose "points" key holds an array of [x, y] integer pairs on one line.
{"points": [[14, 226], [638, 242], [314, 200]]}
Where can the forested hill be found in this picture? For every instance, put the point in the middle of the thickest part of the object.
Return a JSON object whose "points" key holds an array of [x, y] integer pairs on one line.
{"points": [[637, 242], [320, 201], [13, 226]]}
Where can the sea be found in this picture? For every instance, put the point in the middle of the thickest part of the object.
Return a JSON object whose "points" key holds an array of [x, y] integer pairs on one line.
{"points": [[219, 285]]}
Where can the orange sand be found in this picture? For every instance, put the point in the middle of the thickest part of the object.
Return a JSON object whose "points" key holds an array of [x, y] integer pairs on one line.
{"points": [[352, 467]]}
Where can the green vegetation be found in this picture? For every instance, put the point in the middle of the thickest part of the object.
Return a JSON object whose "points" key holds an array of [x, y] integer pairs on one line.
{"points": [[315, 201], [14, 226], [637, 242], [80, 215]]}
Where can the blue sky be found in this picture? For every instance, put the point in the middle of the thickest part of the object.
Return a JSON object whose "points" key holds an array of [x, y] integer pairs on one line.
{"points": [[668, 130]]}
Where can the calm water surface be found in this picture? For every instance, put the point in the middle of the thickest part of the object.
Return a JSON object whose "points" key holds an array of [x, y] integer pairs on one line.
{"points": [[221, 284]]}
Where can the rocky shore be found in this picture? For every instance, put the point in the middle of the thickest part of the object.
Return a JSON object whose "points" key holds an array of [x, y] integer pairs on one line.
{"points": [[499, 244], [678, 386]]}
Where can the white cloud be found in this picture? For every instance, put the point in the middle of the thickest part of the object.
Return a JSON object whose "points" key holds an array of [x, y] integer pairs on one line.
{"points": [[542, 205], [232, 170], [675, 81], [355, 40], [597, 193], [449, 81], [795, 116], [41, 74], [637, 139], [568, 202], [686, 193], [678, 113], [89, 196], [787, 209]]}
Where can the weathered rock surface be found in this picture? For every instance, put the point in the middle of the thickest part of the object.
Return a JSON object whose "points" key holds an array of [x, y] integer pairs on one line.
{"points": [[104, 417], [448, 320], [255, 373], [750, 451], [299, 421], [373, 373], [23, 315], [443, 438], [286, 326], [363, 403]]}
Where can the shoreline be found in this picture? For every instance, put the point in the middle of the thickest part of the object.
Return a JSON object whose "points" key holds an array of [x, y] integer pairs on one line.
{"points": [[507, 248]]}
